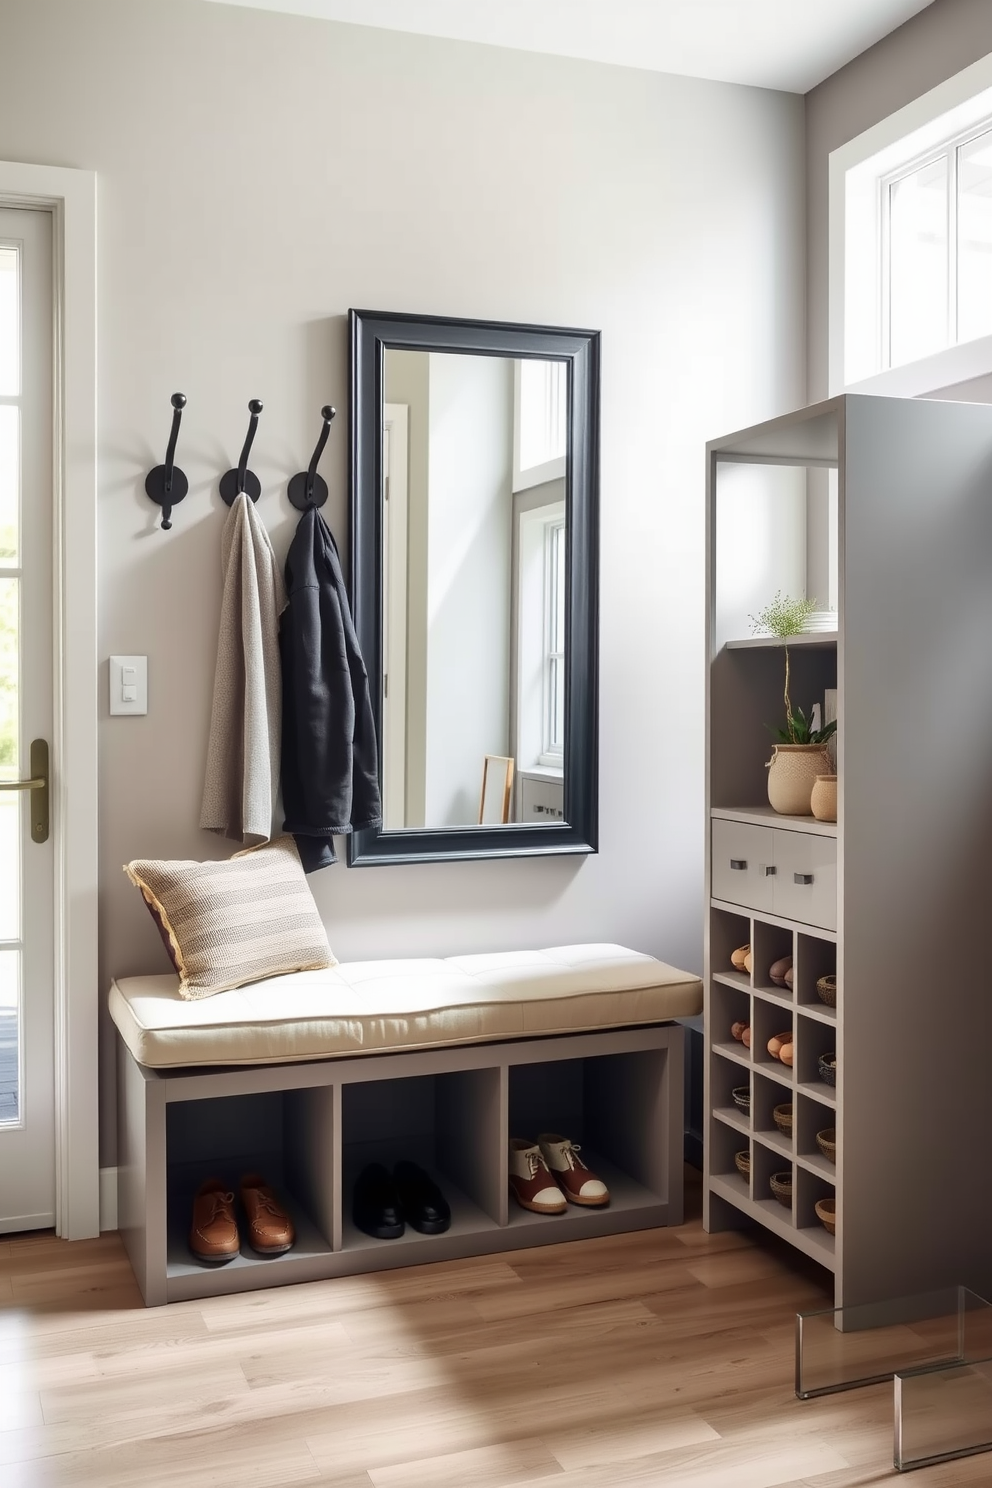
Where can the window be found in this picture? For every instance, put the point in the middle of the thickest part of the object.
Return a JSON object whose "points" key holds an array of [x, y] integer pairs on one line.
{"points": [[540, 424], [541, 637], [910, 294], [553, 749], [937, 250]]}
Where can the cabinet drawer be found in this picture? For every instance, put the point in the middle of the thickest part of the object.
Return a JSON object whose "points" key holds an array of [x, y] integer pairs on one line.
{"points": [[742, 857], [806, 878]]}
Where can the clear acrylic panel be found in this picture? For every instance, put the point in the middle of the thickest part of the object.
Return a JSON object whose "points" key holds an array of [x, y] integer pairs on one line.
{"points": [[842, 1348], [918, 264], [975, 238], [9, 671], [10, 480], [10, 981], [10, 330], [942, 1413]]}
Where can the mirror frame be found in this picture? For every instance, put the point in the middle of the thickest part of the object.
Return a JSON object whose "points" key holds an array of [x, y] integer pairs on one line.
{"points": [[371, 333]]}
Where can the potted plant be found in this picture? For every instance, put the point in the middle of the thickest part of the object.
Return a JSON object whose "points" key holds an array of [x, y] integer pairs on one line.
{"points": [[800, 753]]}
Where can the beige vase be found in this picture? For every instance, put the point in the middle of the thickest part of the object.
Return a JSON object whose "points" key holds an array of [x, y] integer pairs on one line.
{"points": [[792, 772], [823, 801]]}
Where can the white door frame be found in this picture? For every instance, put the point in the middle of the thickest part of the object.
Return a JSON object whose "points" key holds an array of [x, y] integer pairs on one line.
{"points": [[70, 196]]}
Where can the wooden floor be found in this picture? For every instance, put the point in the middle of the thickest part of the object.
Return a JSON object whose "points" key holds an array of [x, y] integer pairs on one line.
{"points": [[660, 1358]]}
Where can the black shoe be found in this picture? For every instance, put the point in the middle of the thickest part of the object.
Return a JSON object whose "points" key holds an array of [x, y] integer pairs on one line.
{"points": [[376, 1204], [423, 1203]]}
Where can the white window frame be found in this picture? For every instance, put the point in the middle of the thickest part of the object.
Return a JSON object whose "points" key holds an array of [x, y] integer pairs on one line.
{"points": [[70, 196], [952, 112], [552, 754], [532, 626]]}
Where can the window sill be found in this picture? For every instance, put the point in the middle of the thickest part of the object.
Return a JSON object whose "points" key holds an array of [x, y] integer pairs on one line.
{"points": [[543, 772], [931, 374]]}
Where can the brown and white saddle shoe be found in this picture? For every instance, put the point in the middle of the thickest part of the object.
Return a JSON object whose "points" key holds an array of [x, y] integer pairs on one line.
{"points": [[530, 1182], [577, 1183]]}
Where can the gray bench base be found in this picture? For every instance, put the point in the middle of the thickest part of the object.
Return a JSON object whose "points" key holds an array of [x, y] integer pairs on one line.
{"points": [[310, 1127]]}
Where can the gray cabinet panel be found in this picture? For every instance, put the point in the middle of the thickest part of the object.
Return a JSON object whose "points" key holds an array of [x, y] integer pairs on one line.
{"points": [[742, 858], [806, 878]]}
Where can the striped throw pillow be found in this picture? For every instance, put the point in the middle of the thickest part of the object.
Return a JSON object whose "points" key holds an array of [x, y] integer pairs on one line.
{"points": [[229, 923]]}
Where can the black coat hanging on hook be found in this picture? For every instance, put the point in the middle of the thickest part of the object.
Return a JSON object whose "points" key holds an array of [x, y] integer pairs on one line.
{"points": [[308, 488], [233, 482], [167, 484]]}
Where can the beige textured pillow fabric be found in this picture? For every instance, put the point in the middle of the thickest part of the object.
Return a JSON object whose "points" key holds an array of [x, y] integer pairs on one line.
{"points": [[234, 922]]}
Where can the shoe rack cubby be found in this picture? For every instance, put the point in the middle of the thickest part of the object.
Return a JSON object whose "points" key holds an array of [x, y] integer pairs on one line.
{"points": [[310, 1128], [870, 505]]}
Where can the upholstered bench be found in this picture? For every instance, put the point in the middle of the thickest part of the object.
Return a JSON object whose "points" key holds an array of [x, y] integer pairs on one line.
{"points": [[309, 1076]]}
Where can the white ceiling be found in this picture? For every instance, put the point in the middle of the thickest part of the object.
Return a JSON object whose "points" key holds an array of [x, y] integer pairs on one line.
{"points": [[788, 44]]}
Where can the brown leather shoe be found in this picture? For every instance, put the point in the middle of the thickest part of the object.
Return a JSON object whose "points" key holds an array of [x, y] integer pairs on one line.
{"points": [[577, 1182], [270, 1229], [213, 1234]]}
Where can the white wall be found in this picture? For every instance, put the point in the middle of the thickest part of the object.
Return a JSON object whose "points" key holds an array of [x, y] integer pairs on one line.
{"points": [[259, 174], [469, 522]]}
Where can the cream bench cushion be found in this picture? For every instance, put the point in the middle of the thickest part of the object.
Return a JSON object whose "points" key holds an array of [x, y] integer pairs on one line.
{"points": [[375, 1007]]}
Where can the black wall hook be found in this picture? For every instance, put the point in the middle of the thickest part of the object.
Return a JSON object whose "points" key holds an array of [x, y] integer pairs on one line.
{"points": [[308, 488], [167, 484], [235, 481]]}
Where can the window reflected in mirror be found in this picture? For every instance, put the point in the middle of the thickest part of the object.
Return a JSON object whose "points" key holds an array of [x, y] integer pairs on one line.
{"points": [[474, 565]]}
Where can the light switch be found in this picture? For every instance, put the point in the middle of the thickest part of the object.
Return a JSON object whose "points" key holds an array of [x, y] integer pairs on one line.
{"points": [[129, 684]]}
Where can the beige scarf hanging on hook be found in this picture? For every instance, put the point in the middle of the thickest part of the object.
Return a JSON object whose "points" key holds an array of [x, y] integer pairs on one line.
{"points": [[239, 793]]}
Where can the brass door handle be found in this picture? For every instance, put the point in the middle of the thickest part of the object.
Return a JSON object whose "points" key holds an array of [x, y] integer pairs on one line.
{"points": [[38, 785]]}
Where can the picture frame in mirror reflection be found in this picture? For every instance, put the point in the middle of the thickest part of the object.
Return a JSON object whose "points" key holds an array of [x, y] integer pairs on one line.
{"points": [[497, 789], [475, 519]]}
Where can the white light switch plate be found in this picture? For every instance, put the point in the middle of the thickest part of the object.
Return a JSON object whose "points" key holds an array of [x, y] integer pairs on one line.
{"points": [[129, 684]]}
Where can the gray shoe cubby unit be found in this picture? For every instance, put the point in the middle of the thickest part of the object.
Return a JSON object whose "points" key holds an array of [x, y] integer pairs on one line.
{"points": [[880, 509], [309, 1128]]}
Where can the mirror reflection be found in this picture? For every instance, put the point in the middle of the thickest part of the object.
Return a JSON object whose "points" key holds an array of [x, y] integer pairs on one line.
{"points": [[473, 581]]}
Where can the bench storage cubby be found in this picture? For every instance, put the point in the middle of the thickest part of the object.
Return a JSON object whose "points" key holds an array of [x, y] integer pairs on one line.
{"points": [[594, 1056], [310, 1127]]}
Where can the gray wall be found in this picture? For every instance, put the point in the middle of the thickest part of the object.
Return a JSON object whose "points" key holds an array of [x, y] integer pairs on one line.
{"points": [[259, 174], [931, 47]]}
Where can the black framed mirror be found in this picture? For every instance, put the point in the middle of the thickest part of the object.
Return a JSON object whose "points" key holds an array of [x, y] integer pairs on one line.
{"points": [[475, 583]]}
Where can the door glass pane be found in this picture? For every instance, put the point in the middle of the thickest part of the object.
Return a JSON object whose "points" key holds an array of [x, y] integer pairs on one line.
{"points": [[10, 865], [10, 464], [10, 979], [918, 264], [10, 331], [9, 596], [975, 238]]}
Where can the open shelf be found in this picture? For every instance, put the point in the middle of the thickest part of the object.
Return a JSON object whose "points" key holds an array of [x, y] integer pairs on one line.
{"points": [[818, 1091], [764, 816], [808, 639]]}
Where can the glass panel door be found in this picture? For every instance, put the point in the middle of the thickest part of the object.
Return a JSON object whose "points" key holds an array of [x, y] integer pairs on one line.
{"points": [[27, 1126]]}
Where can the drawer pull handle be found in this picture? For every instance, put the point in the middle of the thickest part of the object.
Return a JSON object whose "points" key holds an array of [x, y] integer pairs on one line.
{"points": [[738, 863], [769, 870], [802, 878]]}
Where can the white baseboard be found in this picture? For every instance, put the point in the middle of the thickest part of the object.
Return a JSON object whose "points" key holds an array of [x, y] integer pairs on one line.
{"points": [[108, 1199]]}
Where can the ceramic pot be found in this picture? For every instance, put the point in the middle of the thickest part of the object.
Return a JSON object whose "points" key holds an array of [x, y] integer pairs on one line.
{"points": [[823, 800], [792, 772]]}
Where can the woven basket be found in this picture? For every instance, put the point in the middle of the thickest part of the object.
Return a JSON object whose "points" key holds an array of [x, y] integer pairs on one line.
{"points": [[826, 1213], [826, 1140], [781, 1186], [782, 1116], [826, 990], [742, 1096], [742, 1161], [827, 1068]]}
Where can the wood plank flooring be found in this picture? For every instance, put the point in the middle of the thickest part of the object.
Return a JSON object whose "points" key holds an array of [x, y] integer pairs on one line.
{"points": [[663, 1358]]}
